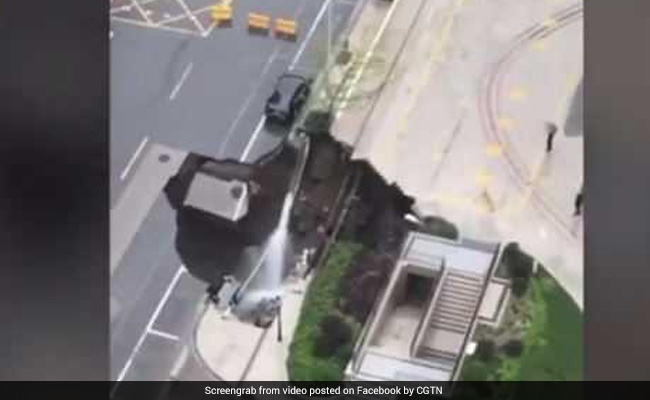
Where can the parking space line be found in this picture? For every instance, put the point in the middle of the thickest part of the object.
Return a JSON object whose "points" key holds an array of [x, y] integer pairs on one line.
{"points": [[179, 363], [191, 16], [162, 28], [179, 17], [134, 157], [250, 97], [141, 11], [153, 318], [165, 335], [184, 76], [256, 133], [310, 33]]}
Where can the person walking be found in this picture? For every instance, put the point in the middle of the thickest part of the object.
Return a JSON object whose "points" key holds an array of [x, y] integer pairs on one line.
{"points": [[578, 203], [551, 130]]}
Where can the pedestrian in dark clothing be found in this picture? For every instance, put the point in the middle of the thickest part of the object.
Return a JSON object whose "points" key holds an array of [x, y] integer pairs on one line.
{"points": [[551, 130], [578, 203]]}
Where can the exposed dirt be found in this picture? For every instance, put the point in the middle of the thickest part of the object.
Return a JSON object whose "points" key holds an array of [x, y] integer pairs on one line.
{"points": [[211, 246]]}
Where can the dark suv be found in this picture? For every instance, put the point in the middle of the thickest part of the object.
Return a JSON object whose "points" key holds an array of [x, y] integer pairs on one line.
{"points": [[289, 96]]}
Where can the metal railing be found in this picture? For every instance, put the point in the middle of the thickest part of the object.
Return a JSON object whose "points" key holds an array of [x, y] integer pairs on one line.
{"points": [[470, 332]]}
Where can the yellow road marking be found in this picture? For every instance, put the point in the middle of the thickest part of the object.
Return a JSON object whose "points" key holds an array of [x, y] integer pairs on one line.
{"points": [[494, 149], [549, 22], [517, 93], [434, 59], [539, 45], [506, 123], [483, 178]]}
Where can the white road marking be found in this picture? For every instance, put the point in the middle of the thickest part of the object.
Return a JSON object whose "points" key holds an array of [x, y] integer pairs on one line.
{"points": [[169, 18], [249, 146], [162, 27], [250, 97], [142, 12], [210, 29], [165, 335], [134, 157], [178, 86], [153, 318], [120, 9], [180, 361], [304, 43], [368, 56], [191, 16]]}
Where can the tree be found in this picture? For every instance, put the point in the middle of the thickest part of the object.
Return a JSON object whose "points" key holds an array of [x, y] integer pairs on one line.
{"points": [[513, 348], [520, 264], [486, 350], [439, 227], [519, 286]]}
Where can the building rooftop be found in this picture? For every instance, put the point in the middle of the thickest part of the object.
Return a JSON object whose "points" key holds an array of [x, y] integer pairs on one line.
{"points": [[224, 198], [421, 325]]}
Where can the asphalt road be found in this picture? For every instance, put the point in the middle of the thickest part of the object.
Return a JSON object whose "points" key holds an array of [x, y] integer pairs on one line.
{"points": [[195, 94]]}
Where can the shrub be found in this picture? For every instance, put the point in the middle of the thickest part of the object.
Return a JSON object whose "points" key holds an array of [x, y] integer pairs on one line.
{"points": [[318, 122], [486, 350], [513, 348], [303, 364], [363, 283], [519, 286], [519, 264], [440, 227], [334, 333]]}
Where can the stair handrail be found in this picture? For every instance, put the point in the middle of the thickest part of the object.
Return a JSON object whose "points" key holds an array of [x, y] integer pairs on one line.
{"points": [[470, 331]]}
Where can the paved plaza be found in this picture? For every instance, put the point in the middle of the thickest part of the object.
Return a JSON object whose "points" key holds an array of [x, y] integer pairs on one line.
{"points": [[459, 123]]}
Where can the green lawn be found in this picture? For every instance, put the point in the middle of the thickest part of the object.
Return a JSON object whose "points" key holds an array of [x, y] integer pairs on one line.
{"points": [[552, 343], [556, 350], [321, 300]]}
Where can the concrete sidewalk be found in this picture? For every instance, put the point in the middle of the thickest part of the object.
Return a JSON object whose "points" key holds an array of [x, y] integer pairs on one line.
{"points": [[427, 129], [237, 351]]}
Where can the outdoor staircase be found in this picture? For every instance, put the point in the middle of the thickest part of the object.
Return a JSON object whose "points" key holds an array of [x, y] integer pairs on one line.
{"points": [[457, 302]]}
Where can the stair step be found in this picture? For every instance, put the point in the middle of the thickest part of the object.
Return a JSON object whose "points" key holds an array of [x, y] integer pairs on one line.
{"points": [[463, 284], [463, 278], [442, 320], [454, 316], [448, 327], [460, 328], [436, 361], [453, 313], [457, 301], [451, 320], [452, 296], [438, 353], [465, 275], [456, 289], [472, 293], [454, 302]]}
